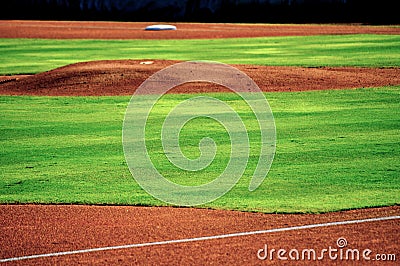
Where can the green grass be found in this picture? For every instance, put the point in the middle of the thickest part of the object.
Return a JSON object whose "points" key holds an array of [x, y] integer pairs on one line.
{"points": [[22, 56], [335, 150]]}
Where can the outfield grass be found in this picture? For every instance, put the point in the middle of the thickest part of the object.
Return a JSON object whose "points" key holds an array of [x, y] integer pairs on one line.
{"points": [[335, 150], [28, 56]]}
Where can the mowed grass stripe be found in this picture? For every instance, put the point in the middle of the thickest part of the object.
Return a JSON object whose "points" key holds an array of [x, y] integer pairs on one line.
{"points": [[335, 150], [22, 56]]}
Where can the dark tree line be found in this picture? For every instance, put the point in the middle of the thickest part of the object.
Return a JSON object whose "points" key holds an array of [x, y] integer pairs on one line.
{"points": [[262, 11]]}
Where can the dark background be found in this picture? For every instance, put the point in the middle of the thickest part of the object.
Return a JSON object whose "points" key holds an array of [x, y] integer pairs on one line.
{"points": [[258, 11]]}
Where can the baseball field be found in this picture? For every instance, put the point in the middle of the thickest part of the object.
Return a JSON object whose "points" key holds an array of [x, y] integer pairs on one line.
{"points": [[331, 195]]}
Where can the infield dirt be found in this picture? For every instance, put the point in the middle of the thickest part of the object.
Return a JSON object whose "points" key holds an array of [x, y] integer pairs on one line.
{"points": [[135, 30], [33, 229]]}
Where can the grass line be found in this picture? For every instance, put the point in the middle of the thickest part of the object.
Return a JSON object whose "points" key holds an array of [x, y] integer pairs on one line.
{"points": [[28, 56]]}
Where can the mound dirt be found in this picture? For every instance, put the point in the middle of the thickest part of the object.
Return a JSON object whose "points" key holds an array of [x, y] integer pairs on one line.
{"points": [[122, 77]]}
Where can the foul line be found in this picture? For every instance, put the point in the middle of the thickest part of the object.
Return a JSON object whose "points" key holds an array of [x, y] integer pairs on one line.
{"points": [[195, 239]]}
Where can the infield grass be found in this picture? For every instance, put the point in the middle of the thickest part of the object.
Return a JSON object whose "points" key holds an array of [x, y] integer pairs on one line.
{"points": [[336, 150], [29, 56]]}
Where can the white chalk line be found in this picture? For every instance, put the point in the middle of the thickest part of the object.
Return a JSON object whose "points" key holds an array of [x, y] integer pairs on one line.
{"points": [[204, 238]]}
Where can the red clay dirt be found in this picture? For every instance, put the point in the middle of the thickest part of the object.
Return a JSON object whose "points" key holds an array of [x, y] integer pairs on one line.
{"points": [[42, 229], [124, 76], [35, 229], [135, 30]]}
